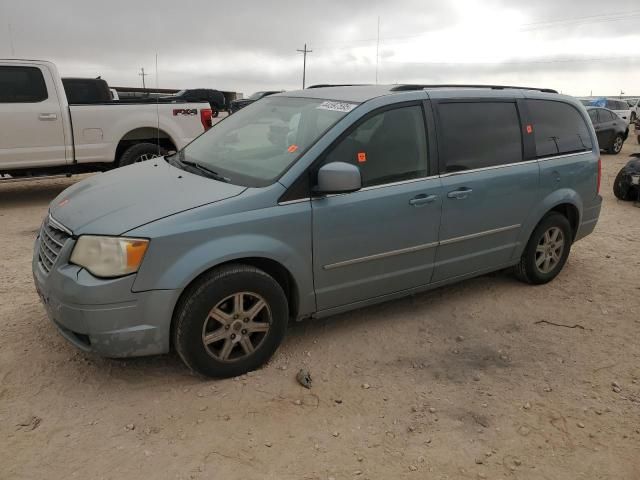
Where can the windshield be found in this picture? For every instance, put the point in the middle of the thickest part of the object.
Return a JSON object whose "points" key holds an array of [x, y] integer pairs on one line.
{"points": [[256, 145], [256, 96], [180, 93]]}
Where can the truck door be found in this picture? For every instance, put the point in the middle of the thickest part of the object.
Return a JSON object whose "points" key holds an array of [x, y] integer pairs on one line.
{"points": [[31, 121]]}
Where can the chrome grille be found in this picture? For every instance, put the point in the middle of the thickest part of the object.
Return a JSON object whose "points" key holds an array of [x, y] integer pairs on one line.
{"points": [[52, 239]]}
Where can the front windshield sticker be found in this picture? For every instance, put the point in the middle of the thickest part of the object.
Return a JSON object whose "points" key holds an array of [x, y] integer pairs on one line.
{"points": [[337, 106]]}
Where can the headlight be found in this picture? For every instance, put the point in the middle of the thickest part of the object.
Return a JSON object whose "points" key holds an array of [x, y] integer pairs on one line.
{"points": [[109, 256]]}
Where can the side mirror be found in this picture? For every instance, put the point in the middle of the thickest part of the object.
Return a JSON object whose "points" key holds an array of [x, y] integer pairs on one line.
{"points": [[338, 177]]}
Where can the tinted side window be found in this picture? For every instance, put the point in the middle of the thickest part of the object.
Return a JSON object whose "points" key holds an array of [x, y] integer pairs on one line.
{"points": [[593, 115], [388, 147], [477, 135], [22, 84], [606, 115], [558, 128]]}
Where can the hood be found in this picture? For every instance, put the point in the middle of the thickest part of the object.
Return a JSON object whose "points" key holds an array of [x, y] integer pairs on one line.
{"points": [[114, 202]]}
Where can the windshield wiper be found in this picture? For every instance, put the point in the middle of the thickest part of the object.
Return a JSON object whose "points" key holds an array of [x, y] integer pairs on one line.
{"points": [[206, 170]]}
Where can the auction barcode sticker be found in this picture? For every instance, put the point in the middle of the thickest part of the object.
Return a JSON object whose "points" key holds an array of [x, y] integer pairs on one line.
{"points": [[337, 106]]}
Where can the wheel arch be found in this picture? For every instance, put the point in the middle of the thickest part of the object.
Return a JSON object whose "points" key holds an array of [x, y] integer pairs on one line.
{"points": [[144, 135], [275, 269]]}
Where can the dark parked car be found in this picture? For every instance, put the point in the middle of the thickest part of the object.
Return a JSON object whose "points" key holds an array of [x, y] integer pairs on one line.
{"points": [[214, 97], [612, 131], [243, 102]]}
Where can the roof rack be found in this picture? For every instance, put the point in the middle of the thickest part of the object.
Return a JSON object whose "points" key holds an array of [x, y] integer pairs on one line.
{"points": [[324, 85], [409, 87]]}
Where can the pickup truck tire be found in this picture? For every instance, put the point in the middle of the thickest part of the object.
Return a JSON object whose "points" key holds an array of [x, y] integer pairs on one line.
{"points": [[230, 321], [215, 111], [547, 250], [140, 152]]}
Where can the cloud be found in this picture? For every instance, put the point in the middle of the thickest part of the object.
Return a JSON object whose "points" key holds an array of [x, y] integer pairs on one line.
{"points": [[251, 45]]}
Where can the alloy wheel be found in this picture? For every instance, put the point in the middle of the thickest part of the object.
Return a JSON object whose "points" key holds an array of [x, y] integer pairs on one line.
{"points": [[549, 250], [236, 326]]}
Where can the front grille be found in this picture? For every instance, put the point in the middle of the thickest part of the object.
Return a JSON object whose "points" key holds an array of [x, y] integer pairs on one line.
{"points": [[52, 239]]}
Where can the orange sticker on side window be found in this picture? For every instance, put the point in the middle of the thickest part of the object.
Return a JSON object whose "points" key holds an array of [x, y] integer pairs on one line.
{"points": [[292, 148], [362, 157]]}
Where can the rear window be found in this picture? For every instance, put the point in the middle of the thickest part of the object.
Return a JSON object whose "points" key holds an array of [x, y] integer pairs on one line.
{"points": [[22, 85], [478, 135], [558, 128]]}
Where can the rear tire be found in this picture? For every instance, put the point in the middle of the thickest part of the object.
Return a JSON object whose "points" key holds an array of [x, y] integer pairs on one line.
{"points": [[141, 152], [616, 144], [221, 328], [542, 259]]}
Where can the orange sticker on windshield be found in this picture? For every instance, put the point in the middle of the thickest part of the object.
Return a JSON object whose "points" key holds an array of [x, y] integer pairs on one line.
{"points": [[362, 157], [292, 148], [529, 129]]}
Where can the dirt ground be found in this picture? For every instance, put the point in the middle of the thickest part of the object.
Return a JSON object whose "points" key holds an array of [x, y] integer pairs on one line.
{"points": [[459, 383]]}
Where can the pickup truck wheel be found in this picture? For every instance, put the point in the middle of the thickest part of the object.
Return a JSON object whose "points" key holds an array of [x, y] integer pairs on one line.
{"points": [[140, 152], [215, 112], [547, 250], [230, 321]]}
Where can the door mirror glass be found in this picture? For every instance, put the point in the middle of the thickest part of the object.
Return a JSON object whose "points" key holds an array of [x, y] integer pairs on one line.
{"points": [[338, 177]]}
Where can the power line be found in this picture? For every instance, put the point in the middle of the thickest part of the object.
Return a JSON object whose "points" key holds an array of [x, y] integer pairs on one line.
{"points": [[527, 27], [304, 63]]}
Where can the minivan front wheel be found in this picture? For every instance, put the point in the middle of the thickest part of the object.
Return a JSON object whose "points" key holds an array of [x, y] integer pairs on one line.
{"points": [[230, 321], [547, 250]]}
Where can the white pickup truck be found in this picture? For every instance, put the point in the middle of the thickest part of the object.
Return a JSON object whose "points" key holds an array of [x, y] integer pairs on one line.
{"points": [[40, 133]]}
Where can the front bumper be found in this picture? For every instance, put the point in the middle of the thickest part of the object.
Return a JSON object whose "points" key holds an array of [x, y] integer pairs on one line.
{"points": [[104, 316]]}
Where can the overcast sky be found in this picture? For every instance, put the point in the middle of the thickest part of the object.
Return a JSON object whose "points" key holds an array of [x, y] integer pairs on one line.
{"points": [[576, 46]]}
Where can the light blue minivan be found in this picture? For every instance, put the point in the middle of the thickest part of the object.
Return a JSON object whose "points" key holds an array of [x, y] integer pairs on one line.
{"points": [[309, 203]]}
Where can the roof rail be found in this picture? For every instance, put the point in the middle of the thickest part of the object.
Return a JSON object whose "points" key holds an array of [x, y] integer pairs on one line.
{"points": [[324, 85], [409, 87]]}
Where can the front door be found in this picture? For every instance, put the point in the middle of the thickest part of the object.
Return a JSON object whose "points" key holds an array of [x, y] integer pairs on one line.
{"points": [[383, 238], [32, 131], [487, 189]]}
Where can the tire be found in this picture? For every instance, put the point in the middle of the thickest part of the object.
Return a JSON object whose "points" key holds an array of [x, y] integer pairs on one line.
{"points": [[616, 144], [140, 152], [217, 291], [621, 189], [527, 270]]}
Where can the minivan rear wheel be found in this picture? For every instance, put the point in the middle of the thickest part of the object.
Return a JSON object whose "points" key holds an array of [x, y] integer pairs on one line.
{"points": [[547, 250], [230, 321]]}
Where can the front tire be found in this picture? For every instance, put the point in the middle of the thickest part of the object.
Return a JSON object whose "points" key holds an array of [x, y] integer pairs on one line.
{"points": [[547, 250], [231, 321]]}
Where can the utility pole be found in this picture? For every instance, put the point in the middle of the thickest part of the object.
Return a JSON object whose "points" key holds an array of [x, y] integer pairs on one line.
{"points": [[142, 74], [304, 64]]}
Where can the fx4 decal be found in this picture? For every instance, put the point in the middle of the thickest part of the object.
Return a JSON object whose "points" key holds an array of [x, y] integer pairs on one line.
{"points": [[184, 111]]}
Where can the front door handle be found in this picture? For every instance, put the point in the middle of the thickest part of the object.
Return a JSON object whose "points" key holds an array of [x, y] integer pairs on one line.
{"points": [[48, 116], [422, 199], [460, 194]]}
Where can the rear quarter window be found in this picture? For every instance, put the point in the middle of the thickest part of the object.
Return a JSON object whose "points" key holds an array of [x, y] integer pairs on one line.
{"points": [[558, 127], [22, 85]]}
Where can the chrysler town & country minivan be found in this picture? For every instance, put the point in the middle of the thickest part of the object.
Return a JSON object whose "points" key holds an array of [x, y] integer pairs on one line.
{"points": [[315, 202]]}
